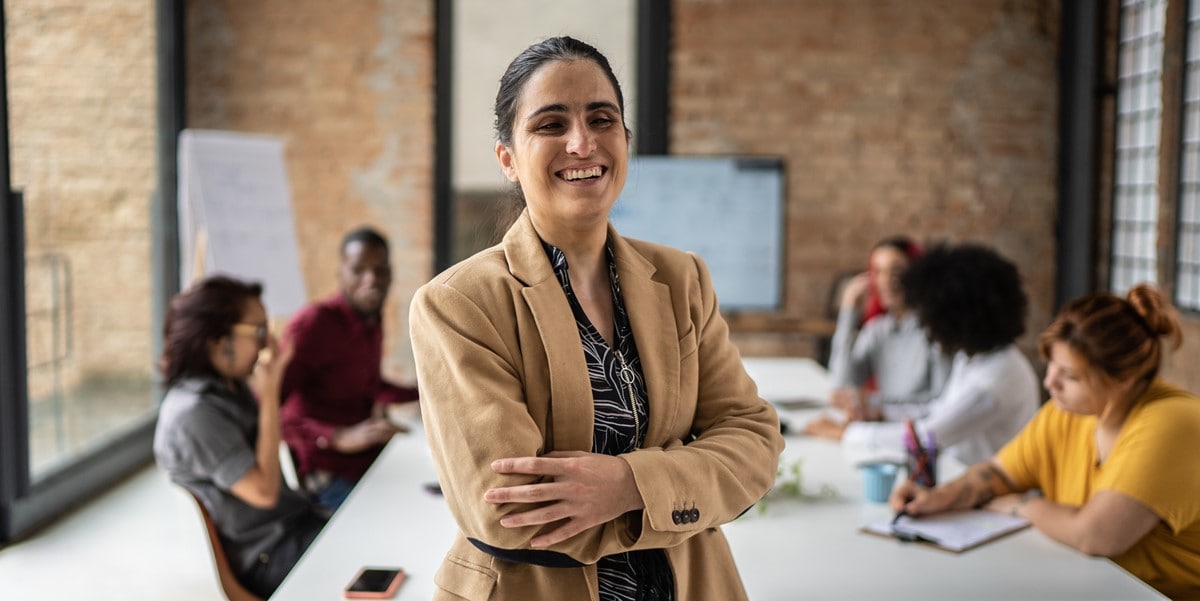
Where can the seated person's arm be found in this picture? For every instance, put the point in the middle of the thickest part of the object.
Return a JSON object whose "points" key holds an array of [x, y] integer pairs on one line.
{"points": [[981, 483], [389, 393], [260, 485], [1107, 525], [257, 488]]}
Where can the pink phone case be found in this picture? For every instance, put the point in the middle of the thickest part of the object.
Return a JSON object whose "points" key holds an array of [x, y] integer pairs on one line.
{"points": [[393, 585]]}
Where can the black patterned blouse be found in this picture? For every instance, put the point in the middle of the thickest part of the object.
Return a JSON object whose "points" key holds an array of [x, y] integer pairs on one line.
{"points": [[620, 400]]}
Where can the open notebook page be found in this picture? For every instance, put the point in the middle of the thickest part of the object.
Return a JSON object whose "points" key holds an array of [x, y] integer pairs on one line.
{"points": [[954, 531]]}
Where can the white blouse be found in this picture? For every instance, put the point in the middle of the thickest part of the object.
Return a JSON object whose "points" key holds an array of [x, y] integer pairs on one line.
{"points": [[988, 399]]}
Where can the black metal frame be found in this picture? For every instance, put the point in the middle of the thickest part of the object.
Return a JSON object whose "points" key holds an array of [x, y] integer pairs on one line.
{"points": [[1079, 122], [14, 411], [653, 76]]}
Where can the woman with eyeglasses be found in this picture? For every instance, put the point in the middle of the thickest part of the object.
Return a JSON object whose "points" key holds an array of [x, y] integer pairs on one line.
{"points": [[218, 437]]}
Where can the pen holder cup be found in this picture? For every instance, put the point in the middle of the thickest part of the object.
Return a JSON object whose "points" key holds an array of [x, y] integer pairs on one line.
{"points": [[878, 479], [923, 471]]}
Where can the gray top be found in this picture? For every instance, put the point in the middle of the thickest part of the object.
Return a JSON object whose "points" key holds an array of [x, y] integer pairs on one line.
{"points": [[909, 370], [205, 441]]}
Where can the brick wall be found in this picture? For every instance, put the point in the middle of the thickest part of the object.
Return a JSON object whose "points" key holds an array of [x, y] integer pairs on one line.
{"points": [[931, 118], [935, 118], [348, 85], [81, 95]]}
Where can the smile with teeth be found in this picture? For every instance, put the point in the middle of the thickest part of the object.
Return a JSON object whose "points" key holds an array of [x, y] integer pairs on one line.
{"points": [[578, 174]]}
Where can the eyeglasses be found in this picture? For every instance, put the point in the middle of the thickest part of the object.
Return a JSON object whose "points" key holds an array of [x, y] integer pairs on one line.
{"points": [[259, 331]]}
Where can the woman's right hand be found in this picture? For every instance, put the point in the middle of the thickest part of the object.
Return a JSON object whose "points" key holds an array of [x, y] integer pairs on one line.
{"points": [[268, 374], [914, 499], [855, 291]]}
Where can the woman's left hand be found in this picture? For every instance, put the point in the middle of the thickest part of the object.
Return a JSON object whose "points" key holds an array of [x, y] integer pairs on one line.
{"points": [[823, 427], [580, 489], [1006, 503]]}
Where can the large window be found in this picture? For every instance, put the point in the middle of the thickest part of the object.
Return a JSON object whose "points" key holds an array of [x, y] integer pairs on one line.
{"points": [[1187, 284], [81, 89], [84, 275], [1139, 113]]}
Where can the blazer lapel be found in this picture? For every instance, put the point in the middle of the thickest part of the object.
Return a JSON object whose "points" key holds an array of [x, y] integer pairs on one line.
{"points": [[650, 314], [571, 411]]}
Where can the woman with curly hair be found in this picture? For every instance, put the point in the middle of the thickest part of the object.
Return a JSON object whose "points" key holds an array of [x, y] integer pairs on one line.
{"points": [[1114, 453], [970, 301]]}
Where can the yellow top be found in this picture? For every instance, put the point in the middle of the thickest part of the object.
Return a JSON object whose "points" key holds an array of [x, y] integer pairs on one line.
{"points": [[1154, 460]]}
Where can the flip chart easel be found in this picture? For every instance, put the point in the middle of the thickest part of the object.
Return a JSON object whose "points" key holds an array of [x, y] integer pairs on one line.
{"points": [[235, 215]]}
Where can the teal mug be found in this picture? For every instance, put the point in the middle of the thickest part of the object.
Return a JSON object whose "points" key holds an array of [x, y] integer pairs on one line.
{"points": [[878, 479]]}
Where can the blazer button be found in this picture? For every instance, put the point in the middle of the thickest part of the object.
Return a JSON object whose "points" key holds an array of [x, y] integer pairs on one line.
{"points": [[677, 517], [695, 515]]}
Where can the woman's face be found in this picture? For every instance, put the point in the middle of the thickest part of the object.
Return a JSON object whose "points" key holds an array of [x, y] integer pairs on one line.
{"points": [[569, 149], [887, 263], [234, 355], [1069, 381]]}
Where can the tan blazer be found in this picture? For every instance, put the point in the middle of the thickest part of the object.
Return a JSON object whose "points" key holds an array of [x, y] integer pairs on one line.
{"points": [[502, 374]]}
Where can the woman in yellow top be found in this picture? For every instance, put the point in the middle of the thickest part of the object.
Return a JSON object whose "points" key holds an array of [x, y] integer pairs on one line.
{"points": [[1115, 454]]}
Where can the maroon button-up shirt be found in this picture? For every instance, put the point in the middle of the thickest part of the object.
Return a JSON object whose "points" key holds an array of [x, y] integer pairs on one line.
{"points": [[333, 381]]}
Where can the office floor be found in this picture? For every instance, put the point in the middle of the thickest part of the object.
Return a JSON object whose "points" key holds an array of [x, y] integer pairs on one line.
{"points": [[142, 540]]}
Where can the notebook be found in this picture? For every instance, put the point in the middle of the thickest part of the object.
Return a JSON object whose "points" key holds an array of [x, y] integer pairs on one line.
{"points": [[955, 531]]}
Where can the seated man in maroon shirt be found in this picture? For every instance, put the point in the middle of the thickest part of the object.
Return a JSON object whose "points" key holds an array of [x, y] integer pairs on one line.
{"points": [[334, 396]]}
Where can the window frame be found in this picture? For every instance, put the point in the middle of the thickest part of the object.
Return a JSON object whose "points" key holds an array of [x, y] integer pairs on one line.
{"points": [[26, 505]]}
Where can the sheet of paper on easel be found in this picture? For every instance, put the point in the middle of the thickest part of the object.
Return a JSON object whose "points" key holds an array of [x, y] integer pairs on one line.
{"points": [[235, 214]]}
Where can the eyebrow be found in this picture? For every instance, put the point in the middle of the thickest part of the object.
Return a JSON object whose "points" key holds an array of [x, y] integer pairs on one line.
{"points": [[562, 108]]}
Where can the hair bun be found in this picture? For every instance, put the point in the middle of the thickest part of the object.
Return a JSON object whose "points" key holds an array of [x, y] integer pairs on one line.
{"points": [[1147, 301]]}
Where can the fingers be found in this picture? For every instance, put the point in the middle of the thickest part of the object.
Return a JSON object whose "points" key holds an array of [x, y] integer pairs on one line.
{"points": [[549, 465], [902, 496], [283, 350], [567, 530], [526, 493], [573, 521]]}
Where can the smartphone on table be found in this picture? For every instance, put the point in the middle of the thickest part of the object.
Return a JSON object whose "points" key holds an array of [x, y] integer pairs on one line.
{"points": [[375, 583]]}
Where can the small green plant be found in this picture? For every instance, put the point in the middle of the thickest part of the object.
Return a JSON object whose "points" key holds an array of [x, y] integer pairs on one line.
{"points": [[789, 484]]}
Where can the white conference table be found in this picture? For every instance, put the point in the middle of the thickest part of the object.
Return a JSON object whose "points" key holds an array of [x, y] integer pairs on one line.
{"points": [[807, 547]]}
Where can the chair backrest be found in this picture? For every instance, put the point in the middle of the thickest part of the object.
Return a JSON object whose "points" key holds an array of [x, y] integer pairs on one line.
{"points": [[234, 591]]}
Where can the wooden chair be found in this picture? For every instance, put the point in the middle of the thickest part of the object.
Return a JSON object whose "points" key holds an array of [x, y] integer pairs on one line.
{"points": [[234, 591]]}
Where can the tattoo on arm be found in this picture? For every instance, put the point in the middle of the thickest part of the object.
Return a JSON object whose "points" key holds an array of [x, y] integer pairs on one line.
{"points": [[979, 486]]}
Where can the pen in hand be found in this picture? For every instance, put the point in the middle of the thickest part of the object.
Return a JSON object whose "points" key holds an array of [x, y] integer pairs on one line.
{"points": [[905, 536]]}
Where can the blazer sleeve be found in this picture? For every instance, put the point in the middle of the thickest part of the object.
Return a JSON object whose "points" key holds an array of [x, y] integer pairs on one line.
{"points": [[474, 412], [731, 458]]}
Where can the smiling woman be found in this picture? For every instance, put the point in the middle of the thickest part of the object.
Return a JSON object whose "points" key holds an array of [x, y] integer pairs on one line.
{"points": [[576, 436]]}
